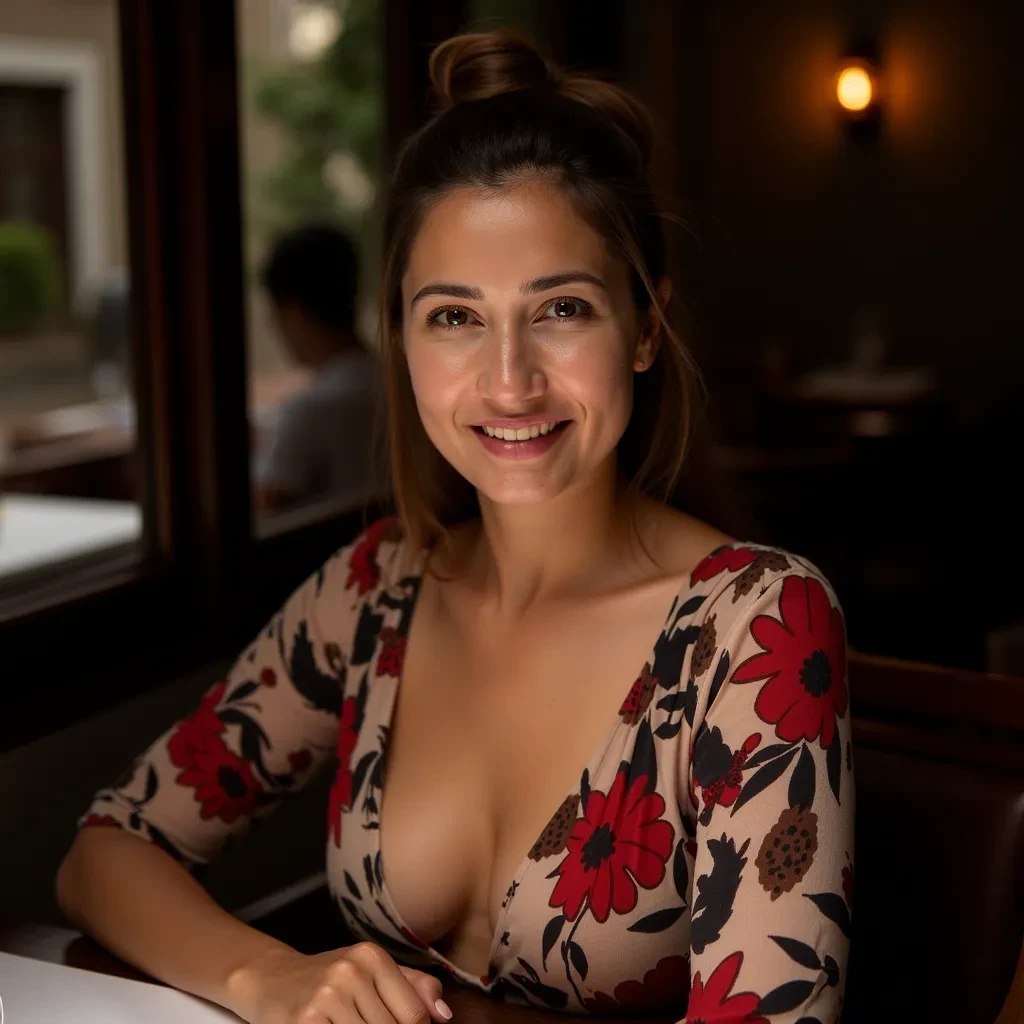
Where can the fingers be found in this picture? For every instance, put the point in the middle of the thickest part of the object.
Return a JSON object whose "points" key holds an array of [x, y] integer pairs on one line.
{"points": [[429, 989], [391, 998]]}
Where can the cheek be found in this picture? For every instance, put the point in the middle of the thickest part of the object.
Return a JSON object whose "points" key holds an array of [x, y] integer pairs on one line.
{"points": [[439, 376], [599, 377]]}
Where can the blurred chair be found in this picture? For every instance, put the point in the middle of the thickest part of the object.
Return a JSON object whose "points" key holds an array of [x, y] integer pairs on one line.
{"points": [[938, 916]]}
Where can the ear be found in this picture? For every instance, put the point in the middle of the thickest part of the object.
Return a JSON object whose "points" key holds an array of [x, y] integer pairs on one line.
{"points": [[651, 332]]}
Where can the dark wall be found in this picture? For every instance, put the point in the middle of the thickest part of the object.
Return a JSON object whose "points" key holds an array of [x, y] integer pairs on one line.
{"points": [[809, 227]]}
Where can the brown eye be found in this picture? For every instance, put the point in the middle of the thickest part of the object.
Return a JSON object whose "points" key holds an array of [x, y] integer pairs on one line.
{"points": [[454, 317], [566, 308]]}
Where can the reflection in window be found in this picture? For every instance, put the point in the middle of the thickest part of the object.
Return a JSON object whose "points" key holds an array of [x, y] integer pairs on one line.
{"points": [[312, 116], [67, 485]]}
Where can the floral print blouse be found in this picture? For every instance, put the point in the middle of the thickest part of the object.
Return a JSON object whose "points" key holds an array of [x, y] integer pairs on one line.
{"points": [[701, 867]]}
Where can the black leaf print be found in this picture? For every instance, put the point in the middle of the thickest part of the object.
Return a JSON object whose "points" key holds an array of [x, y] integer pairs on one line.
{"points": [[644, 762], [365, 641], [152, 782], [831, 972], [368, 872], [361, 695], [720, 673], [690, 606], [680, 871], [350, 884], [785, 998], [378, 870], [531, 971], [673, 702], [716, 892], [370, 804], [690, 695], [667, 730], [763, 778], [808, 1020], [584, 791], [579, 959], [320, 573], [360, 773], [834, 763], [320, 690], [658, 921], [372, 824], [553, 997], [801, 783], [669, 654], [134, 821], [242, 691], [797, 951], [833, 906], [766, 754], [551, 932]]}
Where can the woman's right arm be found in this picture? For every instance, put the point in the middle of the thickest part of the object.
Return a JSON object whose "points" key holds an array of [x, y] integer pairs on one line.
{"points": [[255, 737]]}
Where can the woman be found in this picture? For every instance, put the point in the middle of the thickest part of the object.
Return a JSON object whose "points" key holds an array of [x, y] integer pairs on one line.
{"points": [[592, 753]]}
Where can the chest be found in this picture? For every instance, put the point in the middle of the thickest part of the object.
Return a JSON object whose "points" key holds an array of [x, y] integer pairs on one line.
{"points": [[490, 732]]}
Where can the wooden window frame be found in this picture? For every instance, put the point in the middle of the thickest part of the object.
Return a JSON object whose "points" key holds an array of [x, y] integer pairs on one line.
{"points": [[101, 631]]}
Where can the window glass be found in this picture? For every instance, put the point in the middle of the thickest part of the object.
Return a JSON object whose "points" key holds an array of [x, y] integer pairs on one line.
{"points": [[68, 486]]}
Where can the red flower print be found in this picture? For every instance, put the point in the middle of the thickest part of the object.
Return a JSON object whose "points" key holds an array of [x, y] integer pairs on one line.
{"points": [[723, 559], [341, 792], [268, 677], [106, 820], [712, 1002], [803, 657], [300, 760], [665, 986], [223, 781], [363, 569], [199, 732], [392, 653], [717, 770], [620, 843]]}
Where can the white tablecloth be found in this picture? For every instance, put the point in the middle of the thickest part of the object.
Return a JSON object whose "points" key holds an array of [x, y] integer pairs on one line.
{"points": [[38, 529]]}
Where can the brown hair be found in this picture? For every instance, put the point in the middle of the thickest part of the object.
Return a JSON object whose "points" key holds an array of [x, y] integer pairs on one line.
{"points": [[505, 113]]}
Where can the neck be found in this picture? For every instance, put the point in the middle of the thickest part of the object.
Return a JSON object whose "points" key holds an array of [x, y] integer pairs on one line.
{"points": [[528, 553]]}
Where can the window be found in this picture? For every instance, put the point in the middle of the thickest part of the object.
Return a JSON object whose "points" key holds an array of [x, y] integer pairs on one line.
{"points": [[68, 487], [311, 95]]}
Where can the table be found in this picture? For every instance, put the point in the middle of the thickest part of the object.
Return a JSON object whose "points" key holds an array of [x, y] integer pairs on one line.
{"points": [[37, 529], [64, 946]]}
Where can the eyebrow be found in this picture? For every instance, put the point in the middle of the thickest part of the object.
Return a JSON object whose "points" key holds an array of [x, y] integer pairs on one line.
{"points": [[538, 284]]}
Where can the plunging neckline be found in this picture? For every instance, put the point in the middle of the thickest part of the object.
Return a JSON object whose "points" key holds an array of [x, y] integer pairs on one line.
{"points": [[524, 864]]}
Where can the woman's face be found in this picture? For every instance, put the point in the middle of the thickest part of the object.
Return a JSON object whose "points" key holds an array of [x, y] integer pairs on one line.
{"points": [[522, 338]]}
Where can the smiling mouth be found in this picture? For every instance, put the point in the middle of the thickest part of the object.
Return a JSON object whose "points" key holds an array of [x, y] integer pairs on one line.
{"points": [[513, 434]]}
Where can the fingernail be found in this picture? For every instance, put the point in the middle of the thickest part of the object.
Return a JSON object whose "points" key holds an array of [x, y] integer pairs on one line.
{"points": [[444, 1009]]}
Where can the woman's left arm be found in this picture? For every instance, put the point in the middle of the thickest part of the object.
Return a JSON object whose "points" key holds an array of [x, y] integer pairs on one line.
{"points": [[771, 788]]}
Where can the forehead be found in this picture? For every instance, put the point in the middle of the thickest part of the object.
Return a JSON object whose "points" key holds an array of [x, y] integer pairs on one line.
{"points": [[500, 238]]}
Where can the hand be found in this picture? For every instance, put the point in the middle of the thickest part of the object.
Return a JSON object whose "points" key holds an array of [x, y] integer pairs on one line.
{"points": [[354, 984]]}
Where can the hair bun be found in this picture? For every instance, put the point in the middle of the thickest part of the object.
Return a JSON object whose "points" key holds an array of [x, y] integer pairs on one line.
{"points": [[479, 65]]}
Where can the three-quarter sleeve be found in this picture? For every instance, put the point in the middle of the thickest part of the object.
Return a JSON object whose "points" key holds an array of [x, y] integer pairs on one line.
{"points": [[771, 787], [257, 735]]}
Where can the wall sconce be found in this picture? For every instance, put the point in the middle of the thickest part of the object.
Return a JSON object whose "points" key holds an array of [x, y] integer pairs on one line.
{"points": [[858, 92]]}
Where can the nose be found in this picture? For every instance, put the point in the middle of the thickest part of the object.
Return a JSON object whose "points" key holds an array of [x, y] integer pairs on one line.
{"points": [[511, 375]]}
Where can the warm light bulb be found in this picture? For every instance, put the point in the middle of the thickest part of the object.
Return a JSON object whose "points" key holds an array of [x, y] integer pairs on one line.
{"points": [[854, 89]]}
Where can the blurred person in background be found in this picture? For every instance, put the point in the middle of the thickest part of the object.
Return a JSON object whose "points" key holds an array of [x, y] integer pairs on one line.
{"points": [[320, 445]]}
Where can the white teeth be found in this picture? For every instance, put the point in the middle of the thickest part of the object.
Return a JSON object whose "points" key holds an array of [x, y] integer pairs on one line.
{"points": [[521, 433]]}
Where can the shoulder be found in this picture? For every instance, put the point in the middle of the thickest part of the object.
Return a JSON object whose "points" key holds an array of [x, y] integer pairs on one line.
{"points": [[377, 558], [769, 611]]}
